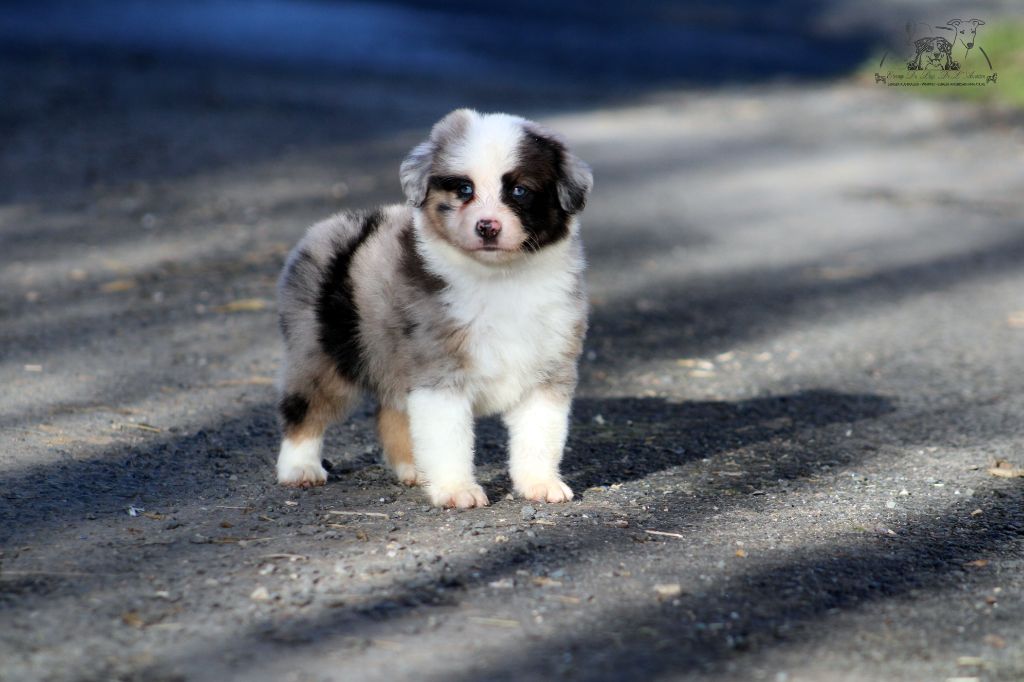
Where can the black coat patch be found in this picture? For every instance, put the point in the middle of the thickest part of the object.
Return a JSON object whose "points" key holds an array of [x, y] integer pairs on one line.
{"points": [[540, 170], [336, 310], [293, 409], [413, 267]]}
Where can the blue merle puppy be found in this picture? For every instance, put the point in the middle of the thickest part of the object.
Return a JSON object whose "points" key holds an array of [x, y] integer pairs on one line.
{"points": [[467, 301]]}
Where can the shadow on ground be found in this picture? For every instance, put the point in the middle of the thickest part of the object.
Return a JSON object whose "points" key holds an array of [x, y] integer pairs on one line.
{"points": [[711, 314], [788, 601], [640, 437], [781, 600]]}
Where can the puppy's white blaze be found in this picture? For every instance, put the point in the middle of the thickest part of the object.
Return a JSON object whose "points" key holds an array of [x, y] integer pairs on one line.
{"points": [[538, 427], [299, 462], [488, 149], [441, 427], [485, 154]]}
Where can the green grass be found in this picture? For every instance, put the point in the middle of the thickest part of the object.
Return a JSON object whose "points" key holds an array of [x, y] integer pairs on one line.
{"points": [[1003, 40]]}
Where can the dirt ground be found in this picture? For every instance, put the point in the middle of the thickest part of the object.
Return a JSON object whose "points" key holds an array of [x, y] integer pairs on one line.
{"points": [[806, 359]]}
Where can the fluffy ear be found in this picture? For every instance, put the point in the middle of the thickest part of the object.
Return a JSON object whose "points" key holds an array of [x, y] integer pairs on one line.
{"points": [[415, 172], [977, 22], [574, 177], [417, 167], [953, 22], [575, 184]]}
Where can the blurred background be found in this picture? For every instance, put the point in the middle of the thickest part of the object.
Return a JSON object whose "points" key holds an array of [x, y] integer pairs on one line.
{"points": [[806, 292]]}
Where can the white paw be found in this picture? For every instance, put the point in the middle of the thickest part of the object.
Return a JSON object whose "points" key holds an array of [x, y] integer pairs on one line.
{"points": [[406, 473], [306, 476], [299, 466], [464, 496], [545, 490]]}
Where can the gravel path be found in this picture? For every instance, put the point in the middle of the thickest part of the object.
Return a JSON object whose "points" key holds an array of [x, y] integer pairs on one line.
{"points": [[806, 355]]}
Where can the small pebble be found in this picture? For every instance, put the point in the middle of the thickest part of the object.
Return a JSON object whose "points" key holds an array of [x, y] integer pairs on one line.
{"points": [[668, 590], [260, 594]]}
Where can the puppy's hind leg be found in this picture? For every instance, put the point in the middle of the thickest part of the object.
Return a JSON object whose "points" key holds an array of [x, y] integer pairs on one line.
{"points": [[306, 413], [393, 429]]}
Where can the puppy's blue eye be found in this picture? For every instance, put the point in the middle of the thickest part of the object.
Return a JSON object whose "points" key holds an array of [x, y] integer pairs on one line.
{"points": [[519, 191], [465, 190]]}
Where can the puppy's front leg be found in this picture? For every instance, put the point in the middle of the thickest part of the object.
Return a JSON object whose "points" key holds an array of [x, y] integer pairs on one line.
{"points": [[538, 427], [441, 426]]}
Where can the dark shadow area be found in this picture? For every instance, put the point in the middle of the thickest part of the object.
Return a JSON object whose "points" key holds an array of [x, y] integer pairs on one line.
{"points": [[640, 437], [171, 471], [709, 315], [615, 440], [785, 601], [637, 437], [780, 600]]}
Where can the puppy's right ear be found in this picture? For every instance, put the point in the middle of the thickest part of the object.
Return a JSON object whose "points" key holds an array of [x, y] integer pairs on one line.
{"points": [[415, 172], [418, 166]]}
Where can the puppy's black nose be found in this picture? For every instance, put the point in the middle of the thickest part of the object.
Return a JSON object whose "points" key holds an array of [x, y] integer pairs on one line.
{"points": [[488, 229]]}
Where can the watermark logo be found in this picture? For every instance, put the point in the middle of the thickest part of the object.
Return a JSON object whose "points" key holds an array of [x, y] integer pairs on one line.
{"points": [[939, 55]]}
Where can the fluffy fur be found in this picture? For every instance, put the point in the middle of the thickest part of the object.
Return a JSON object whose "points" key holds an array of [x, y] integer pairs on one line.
{"points": [[468, 301]]}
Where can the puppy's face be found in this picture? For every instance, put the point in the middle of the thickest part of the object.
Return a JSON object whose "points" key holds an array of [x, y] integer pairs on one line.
{"points": [[495, 187], [934, 54]]}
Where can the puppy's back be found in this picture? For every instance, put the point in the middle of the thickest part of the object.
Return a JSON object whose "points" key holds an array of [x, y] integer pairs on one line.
{"points": [[337, 262], [316, 282]]}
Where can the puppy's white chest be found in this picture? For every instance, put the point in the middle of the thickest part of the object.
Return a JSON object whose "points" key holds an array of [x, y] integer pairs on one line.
{"points": [[513, 334]]}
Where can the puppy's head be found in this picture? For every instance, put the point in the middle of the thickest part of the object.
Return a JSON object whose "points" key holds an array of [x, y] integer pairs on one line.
{"points": [[935, 52], [496, 187]]}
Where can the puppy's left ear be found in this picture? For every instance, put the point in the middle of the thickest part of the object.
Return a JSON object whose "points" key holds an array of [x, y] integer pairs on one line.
{"points": [[575, 179], [575, 183], [416, 169]]}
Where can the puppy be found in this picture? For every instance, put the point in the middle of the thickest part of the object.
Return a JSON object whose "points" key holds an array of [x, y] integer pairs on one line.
{"points": [[468, 301], [932, 53]]}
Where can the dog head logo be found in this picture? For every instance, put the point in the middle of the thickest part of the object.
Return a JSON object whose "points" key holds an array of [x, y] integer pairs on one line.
{"points": [[966, 31], [933, 53], [944, 48], [938, 55]]}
